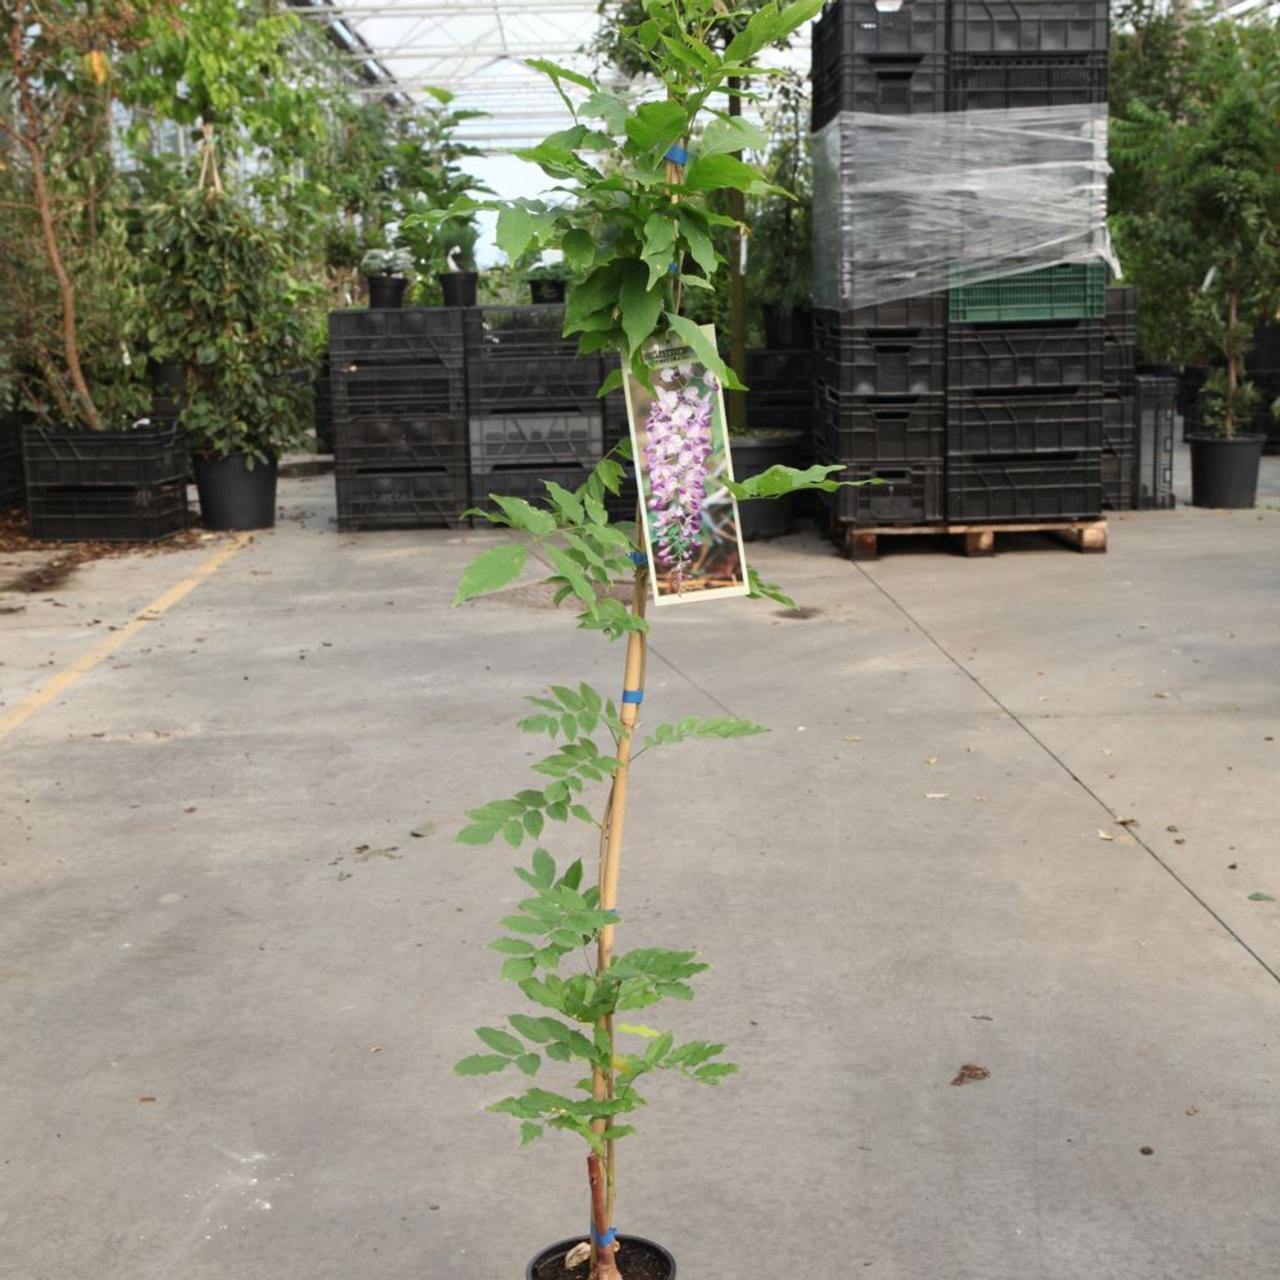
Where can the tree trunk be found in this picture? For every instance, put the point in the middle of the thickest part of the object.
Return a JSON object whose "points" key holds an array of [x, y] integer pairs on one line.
{"points": [[736, 405], [44, 205], [1233, 380]]}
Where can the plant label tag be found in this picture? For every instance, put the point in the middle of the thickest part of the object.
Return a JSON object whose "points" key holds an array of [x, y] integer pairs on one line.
{"points": [[680, 443]]}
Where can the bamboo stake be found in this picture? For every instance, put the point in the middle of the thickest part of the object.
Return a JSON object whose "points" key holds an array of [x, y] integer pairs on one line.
{"points": [[603, 1265]]}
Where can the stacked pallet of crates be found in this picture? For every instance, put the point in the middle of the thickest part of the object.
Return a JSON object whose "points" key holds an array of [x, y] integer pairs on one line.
{"points": [[533, 404], [399, 417], [1025, 402], [879, 371], [983, 403], [1262, 368], [13, 487]]}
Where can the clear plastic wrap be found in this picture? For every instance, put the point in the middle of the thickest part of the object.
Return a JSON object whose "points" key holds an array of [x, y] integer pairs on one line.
{"points": [[905, 205]]}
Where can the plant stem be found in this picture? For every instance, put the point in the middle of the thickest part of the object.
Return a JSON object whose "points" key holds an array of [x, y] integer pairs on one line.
{"points": [[603, 1266], [610, 864], [736, 401], [1229, 411]]}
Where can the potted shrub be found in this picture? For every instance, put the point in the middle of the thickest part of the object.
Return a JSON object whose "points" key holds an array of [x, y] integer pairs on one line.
{"points": [[620, 234], [386, 272], [460, 281], [225, 304], [548, 282], [1212, 173], [94, 467]]}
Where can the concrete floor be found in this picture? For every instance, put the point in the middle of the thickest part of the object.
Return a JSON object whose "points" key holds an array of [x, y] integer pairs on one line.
{"points": [[235, 981]]}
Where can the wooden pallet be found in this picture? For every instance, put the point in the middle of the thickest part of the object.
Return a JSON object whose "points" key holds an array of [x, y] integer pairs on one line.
{"points": [[862, 542]]}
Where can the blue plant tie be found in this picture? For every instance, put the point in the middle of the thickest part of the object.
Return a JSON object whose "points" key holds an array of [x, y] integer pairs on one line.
{"points": [[632, 695], [606, 1239], [672, 268], [612, 913], [639, 559], [679, 155]]}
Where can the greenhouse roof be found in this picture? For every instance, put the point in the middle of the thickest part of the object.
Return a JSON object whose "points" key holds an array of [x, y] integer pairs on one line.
{"points": [[477, 49]]}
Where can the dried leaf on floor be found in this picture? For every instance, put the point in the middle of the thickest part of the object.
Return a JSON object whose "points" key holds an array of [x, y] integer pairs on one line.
{"points": [[970, 1072], [1105, 835]]}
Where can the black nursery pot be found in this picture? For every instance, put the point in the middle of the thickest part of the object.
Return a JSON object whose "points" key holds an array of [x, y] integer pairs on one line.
{"points": [[639, 1259], [459, 287], [765, 517], [232, 496], [387, 291], [1224, 473], [547, 293]]}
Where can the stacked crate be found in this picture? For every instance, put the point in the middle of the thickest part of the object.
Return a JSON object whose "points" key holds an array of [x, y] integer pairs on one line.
{"points": [[399, 417], [13, 487], [1262, 368], [1120, 422], [984, 403], [113, 486], [1155, 400], [533, 406], [780, 389]]}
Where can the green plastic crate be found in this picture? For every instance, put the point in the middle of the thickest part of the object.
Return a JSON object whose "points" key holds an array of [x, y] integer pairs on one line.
{"points": [[1070, 291]]}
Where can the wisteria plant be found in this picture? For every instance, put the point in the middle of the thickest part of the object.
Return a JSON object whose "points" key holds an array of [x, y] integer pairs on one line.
{"points": [[633, 221]]}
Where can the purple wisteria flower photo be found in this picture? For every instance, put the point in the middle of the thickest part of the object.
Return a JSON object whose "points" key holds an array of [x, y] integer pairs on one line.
{"points": [[682, 458]]}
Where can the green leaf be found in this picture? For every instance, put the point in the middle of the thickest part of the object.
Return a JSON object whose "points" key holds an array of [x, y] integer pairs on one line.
{"points": [[517, 969], [513, 832], [1261, 897], [579, 249], [491, 571], [658, 253], [516, 228], [529, 1132], [529, 1063], [692, 335], [569, 570], [715, 173], [500, 1041], [477, 833], [481, 1064], [728, 134], [779, 480], [641, 303], [512, 946], [544, 867], [523, 516], [762, 590], [607, 106], [657, 124], [555, 71], [699, 240], [565, 501]]}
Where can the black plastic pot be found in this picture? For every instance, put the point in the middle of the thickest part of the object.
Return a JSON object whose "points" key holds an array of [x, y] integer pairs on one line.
{"points": [[766, 517], [627, 1245], [459, 287], [547, 293], [1224, 473], [786, 328], [387, 291], [234, 497]]}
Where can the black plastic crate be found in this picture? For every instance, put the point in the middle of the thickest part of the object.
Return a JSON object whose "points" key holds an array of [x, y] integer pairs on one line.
{"points": [[1262, 360], [863, 26], [13, 485], [408, 499], [517, 333], [519, 361], [880, 428], [908, 493], [779, 415], [1119, 422], [882, 83], [988, 81], [1040, 487], [1009, 421], [1155, 406], [884, 361], [401, 440], [142, 458], [1119, 469], [524, 482], [361, 390], [1029, 26], [1057, 354], [396, 336], [535, 439], [322, 408], [142, 514]]}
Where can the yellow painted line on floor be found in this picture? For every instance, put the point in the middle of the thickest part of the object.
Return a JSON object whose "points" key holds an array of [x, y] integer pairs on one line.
{"points": [[11, 720]]}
